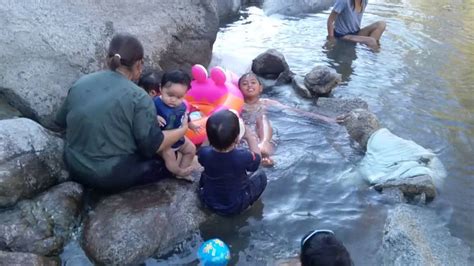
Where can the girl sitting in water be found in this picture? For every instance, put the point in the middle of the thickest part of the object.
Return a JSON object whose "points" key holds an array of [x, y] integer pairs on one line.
{"points": [[254, 114]]}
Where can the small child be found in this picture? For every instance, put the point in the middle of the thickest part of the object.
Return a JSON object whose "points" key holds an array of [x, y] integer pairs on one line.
{"points": [[225, 186], [254, 114], [321, 247], [151, 82], [171, 110]]}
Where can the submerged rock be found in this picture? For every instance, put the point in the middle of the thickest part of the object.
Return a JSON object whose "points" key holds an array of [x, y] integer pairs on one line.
{"points": [[129, 227], [18, 258], [44, 51], [42, 225], [30, 160], [336, 106], [300, 88], [272, 65], [416, 236]]}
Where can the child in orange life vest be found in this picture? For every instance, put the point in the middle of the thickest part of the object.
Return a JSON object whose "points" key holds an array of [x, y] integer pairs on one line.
{"points": [[254, 114]]}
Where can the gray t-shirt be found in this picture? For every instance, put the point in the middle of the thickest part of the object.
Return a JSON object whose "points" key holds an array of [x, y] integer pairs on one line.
{"points": [[348, 20]]}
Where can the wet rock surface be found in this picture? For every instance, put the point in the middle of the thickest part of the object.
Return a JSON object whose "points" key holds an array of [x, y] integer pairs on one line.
{"points": [[416, 236], [19, 258], [30, 160], [42, 225], [411, 187], [44, 51], [129, 227]]}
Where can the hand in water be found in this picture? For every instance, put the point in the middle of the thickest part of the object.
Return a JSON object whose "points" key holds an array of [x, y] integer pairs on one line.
{"points": [[330, 42]]}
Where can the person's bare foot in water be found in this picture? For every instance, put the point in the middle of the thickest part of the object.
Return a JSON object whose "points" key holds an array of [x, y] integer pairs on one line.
{"points": [[267, 161]]}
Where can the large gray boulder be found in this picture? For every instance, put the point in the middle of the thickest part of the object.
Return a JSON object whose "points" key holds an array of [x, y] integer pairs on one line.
{"points": [[319, 82], [26, 259], [416, 236], [47, 45], [272, 65], [42, 225], [30, 160], [295, 7], [129, 227], [228, 9]]}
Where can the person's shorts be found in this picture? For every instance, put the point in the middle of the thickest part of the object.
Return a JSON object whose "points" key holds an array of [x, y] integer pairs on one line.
{"points": [[339, 35]]}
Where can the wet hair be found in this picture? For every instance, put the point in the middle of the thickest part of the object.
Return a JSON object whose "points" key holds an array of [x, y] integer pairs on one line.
{"points": [[151, 80], [222, 129], [175, 77], [124, 50], [324, 249], [249, 74]]}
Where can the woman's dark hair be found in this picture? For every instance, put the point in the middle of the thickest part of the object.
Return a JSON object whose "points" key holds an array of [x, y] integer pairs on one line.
{"points": [[222, 129], [151, 80], [175, 77], [124, 50], [249, 74], [324, 249]]}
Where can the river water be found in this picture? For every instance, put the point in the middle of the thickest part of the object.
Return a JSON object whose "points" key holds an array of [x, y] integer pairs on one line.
{"points": [[419, 85]]}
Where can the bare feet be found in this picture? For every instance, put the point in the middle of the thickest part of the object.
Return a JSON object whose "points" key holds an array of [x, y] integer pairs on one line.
{"points": [[267, 162], [185, 174]]}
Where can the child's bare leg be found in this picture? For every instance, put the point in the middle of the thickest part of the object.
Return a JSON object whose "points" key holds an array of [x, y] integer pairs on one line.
{"points": [[188, 150], [171, 163], [367, 40], [265, 133], [374, 30]]}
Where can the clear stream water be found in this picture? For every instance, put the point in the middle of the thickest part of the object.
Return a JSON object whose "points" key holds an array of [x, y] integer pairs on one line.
{"points": [[419, 85]]}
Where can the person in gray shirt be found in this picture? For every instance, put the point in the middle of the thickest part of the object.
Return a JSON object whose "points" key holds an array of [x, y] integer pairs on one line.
{"points": [[345, 20]]}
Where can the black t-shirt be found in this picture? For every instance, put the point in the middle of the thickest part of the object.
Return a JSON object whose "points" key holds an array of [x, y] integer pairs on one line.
{"points": [[225, 180]]}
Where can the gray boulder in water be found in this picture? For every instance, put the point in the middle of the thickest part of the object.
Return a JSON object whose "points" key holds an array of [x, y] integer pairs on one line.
{"points": [[129, 227], [272, 65], [416, 236], [42, 225], [47, 45], [321, 80], [30, 160]]}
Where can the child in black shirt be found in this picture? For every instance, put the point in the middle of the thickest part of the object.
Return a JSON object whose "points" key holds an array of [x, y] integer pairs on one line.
{"points": [[225, 186]]}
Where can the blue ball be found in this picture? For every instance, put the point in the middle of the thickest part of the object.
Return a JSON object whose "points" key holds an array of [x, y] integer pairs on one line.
{"points": [[214, 252]]}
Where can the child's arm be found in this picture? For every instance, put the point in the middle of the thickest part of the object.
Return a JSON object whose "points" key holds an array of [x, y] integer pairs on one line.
{"points": [[330, 24], [328, 119]]}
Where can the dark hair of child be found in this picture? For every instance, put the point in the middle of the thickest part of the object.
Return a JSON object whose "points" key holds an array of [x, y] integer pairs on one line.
{"points": [[175, 77], [222, 129], [124, 50], [249, 74], [324, 249], [151, 80]]}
